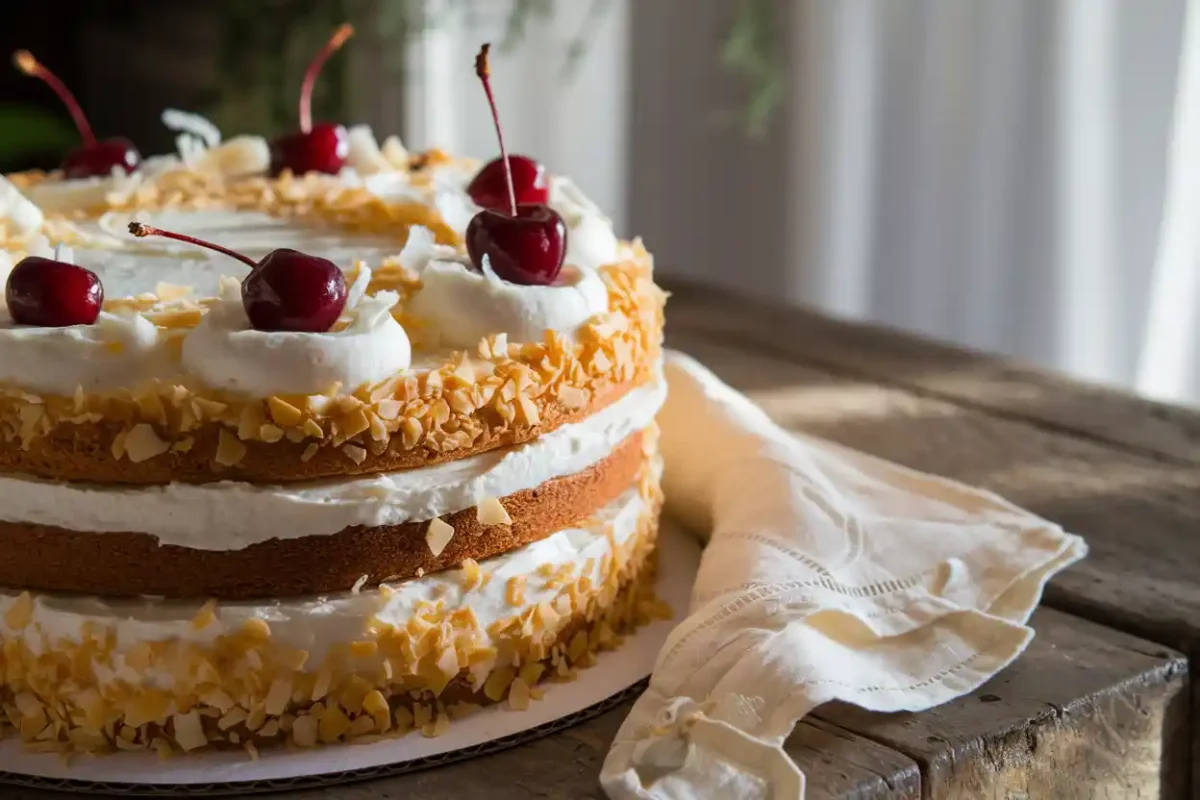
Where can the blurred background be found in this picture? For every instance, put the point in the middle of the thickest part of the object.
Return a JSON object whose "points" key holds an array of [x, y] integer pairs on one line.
{"points": [[1020, 176]]}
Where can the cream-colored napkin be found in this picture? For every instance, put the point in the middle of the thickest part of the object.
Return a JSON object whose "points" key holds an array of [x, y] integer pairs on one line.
{"points": [[829, 575]]}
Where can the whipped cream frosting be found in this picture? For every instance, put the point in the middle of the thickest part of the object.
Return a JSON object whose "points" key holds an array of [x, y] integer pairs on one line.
{"points": [[125, 350], [367, 157], [17, 213], [201, 149], [118, 351], [462, 305], [226, 353], [591, 241], [317, 624], [231, 515]]}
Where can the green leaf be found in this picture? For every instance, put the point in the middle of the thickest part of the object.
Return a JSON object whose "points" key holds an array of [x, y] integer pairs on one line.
{"points": [[28, 131]]}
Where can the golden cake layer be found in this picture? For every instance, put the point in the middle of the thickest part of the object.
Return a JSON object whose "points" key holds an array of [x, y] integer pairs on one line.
{"points": [[51, 559]]}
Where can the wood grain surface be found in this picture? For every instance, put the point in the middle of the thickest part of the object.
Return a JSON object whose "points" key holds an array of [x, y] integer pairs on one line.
{"points": [[839, 765], [1085, 712], [564, 766]]}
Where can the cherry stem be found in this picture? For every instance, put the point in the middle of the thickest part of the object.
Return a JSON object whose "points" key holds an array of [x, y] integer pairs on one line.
{"points": [[484, 73], [140, 230], [30, 66], [314, 68]]}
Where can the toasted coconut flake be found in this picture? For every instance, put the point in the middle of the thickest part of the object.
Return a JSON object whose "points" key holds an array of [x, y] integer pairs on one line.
{"points": [[20, 613], [518, 695], [491, 511], [205, 616], [438, 535], [230, 451], [189, 731], [355, 453], [305, 731]]}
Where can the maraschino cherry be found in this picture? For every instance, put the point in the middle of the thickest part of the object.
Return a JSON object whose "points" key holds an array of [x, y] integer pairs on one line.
{"points": [[286, 291], [489, 187], [52, 294], [524, 243], [95, 158], [314, 148]]}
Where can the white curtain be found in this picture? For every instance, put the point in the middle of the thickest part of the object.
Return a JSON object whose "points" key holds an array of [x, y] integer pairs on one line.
{"points": [[994, 173], [1021, 176]]}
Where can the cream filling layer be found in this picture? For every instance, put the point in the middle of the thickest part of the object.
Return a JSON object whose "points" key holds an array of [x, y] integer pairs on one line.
{"points": [[231, 515], [315, 625]]}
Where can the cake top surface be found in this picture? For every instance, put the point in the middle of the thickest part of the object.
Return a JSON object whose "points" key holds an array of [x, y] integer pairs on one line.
{"points": [[394, 223]]}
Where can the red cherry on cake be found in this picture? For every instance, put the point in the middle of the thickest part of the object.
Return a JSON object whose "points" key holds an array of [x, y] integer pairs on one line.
{"points": [[286, 291], [313, 148], [52, 294], [526, 248], [322, 149], [291, 291], [95, 158], [524, 243], [100, 158], [489, 187]]}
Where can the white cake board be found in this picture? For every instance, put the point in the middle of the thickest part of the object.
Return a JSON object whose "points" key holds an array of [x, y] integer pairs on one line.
{"points": [[617, 675]]}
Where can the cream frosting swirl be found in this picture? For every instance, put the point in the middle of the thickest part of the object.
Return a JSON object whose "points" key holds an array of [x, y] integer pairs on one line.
{"points": [[367, 156], [118, 351], [591, 241], [225, 353], [22, 216], [463, 305]]}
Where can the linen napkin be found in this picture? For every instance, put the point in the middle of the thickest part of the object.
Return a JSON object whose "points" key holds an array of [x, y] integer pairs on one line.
{"points": [[829, 574]]}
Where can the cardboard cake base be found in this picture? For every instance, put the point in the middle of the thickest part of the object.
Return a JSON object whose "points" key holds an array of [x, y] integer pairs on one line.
{"points": [[617, 676]]}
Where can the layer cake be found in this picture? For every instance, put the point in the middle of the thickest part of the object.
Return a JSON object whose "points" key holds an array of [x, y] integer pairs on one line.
{"points": [[219, 532]]}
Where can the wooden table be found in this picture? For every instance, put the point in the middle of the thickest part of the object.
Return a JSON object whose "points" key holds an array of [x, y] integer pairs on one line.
{"points": [[1099, 706]]}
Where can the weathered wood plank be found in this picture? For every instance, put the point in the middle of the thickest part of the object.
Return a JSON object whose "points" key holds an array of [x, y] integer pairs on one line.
{"points": [[839, 766], [1085, 712], [964, 377]]}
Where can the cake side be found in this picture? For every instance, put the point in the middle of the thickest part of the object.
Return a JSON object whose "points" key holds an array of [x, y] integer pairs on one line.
{"points": [[123, 564], [500, 395], [89, 674]]}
